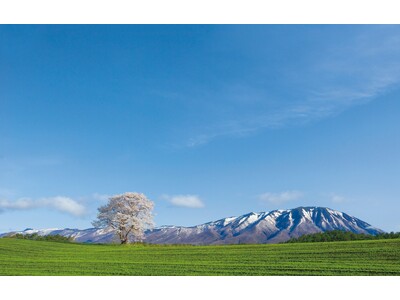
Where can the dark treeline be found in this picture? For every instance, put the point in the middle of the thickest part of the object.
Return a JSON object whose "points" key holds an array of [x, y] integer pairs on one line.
{"points": [[338, 235], [36, 237]]}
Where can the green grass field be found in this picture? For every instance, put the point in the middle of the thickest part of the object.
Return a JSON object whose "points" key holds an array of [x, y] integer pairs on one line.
{"points": [[25, 257]]}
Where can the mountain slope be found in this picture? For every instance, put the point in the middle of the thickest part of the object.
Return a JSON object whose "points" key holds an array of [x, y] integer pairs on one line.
{"points": [[253, 228], [265, 227], [90, 235]]}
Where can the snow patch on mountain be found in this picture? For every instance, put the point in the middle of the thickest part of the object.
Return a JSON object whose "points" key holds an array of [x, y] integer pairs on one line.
{"points": [[263, 227]]}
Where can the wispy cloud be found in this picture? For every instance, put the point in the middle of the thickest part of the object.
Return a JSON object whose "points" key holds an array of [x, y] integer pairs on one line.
{"points": [[337, 199], [58, 203], [280, 198], [101, 197], [339, 78], [189, 201]]}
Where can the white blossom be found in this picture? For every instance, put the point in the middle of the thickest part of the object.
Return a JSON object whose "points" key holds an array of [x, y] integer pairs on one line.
{"points": [[128, 214]]}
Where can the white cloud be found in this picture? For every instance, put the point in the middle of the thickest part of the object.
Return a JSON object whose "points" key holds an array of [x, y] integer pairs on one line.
{"points": [[64, 204], [337, 199], [101, 197], [279, 198], [59, 203], [190, 201], [20, 204]]}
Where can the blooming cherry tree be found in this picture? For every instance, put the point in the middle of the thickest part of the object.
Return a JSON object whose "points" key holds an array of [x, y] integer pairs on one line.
{"points": [[128, 215]]}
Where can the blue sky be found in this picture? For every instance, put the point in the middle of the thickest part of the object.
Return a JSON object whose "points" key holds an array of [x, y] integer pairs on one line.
{"points": [[207, 121]]}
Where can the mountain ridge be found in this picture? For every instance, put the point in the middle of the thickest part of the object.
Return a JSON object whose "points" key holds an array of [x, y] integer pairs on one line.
{"points": [[252, 228]]}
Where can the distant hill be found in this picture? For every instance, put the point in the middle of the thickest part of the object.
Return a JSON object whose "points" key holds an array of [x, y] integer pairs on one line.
{"points": [[253, 228]]}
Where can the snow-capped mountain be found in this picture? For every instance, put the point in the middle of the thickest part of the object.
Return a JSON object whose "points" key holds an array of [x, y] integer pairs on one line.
{"points": [[90, 235], [264, 227]]}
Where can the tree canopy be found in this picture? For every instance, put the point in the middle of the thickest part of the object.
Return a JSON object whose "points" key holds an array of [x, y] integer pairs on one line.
{"points": [[128, 215], [339, 235]]}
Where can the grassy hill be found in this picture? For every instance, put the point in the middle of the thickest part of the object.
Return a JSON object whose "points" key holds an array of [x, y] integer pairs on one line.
{"points": [[26, 257]]}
